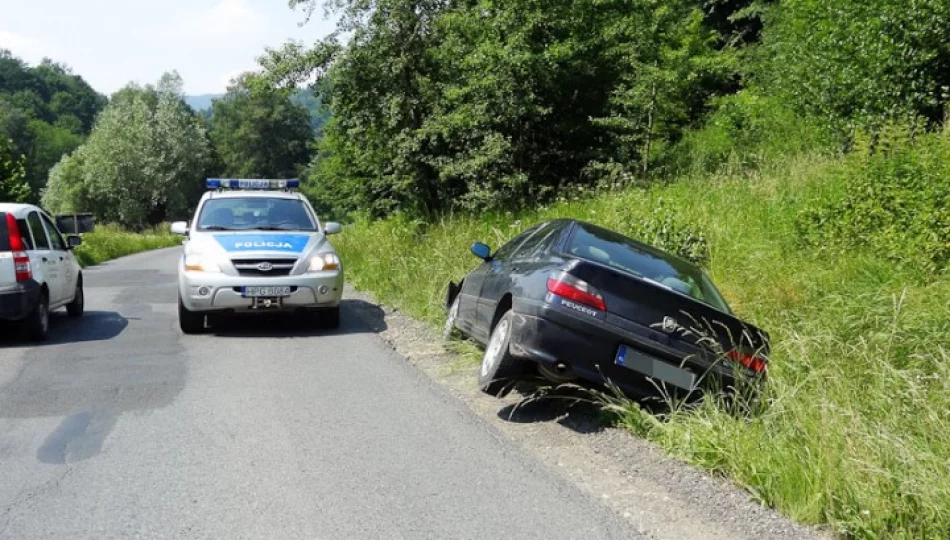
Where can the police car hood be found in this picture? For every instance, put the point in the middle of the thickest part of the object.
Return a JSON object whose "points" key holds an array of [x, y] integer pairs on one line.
{"points": [[246, 244]]}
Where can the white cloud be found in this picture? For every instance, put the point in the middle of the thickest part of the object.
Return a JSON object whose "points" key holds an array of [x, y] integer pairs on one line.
{"points": [[228, 18], [19, 45]]}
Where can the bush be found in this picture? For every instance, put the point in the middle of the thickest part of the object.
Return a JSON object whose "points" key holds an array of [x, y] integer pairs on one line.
{"points": [[896, 202], [745, 131], [109, 242]]}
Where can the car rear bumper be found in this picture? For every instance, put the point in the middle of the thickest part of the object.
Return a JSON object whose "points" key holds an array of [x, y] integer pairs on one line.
{"points": [[210, 292], [587, 348], [18, 301]]}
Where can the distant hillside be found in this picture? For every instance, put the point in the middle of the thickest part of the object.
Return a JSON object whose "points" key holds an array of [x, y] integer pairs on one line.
{"points": [[202, 102], [304, 98]]}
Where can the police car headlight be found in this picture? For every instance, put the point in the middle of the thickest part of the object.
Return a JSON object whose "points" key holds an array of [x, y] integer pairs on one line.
{"points": [[196, 263], [324, 261]]}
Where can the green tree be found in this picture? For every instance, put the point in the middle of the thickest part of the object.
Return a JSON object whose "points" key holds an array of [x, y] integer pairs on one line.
{"points": [[46, 110], [259, 132], [13, 186], [478, 103], [859, 61], [143, 162]]}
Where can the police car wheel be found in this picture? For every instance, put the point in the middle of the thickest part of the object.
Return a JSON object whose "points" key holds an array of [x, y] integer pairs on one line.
{"points": [[191, 322]]}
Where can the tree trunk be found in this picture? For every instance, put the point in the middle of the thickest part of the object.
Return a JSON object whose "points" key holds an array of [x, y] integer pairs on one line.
{"points": [[651, 113]]}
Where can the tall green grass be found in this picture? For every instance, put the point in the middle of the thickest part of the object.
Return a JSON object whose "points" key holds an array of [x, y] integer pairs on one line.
{"points": [[858, 432], [108, 242]]}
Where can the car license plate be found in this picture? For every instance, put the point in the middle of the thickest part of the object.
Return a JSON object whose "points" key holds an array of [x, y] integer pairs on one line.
{"points": [[265, 292], [655, 368]]}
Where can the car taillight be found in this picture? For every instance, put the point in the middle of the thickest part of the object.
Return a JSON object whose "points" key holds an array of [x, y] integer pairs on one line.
{"points": [[21, 261], [754, 362], [572, 288]]}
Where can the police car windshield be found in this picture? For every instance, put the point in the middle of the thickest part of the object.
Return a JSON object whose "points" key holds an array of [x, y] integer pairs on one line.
{"points": [[255, 214]]}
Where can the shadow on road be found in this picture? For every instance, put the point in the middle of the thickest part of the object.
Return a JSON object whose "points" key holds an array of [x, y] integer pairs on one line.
{"points": [[92, 326], [570, 407], [356, 317]]}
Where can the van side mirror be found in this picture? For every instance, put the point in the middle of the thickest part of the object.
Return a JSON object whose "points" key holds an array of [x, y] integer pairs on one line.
{"points": [[482, 251], [74, 241], [180, 227]]}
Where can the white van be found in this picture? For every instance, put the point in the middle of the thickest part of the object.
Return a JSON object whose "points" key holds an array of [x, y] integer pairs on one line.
{"points": [[38, 271]]}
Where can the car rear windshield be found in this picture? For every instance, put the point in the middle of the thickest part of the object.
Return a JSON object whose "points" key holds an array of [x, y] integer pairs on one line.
{"points": [[4, 233], [255, 213], [617, 251]]}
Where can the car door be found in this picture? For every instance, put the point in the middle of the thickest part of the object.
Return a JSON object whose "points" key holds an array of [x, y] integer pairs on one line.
{"points": [[469, 296], [502, 273], [42, 259], [60, 254]]}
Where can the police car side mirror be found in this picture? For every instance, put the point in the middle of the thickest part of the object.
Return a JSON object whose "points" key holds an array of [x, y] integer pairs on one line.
{"points": [[332, 227], [180, 227]]}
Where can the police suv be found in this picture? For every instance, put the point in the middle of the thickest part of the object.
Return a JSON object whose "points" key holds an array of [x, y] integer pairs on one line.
{"points": [[256, 246]]}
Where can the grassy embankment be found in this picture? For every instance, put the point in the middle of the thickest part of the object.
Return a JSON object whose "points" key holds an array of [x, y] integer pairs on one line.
{"points": [[858, 433], [108, 242]]}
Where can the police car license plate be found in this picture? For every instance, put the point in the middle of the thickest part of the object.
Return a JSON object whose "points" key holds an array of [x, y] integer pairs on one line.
{"points": [[265, 292], [655, 368]]}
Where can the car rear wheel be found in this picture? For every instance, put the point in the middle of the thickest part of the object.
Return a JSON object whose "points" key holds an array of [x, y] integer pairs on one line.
{"points": [[191, 322], [78, 305], [499, 369], [449, 331], [37, 322]]}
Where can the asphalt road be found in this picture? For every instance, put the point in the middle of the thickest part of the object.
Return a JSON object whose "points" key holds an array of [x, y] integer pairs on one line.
{"points": [[121, 427]]}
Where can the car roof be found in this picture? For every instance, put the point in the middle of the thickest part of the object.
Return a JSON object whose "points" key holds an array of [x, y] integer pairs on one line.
{"points": [[255, 194], [16, 208]]}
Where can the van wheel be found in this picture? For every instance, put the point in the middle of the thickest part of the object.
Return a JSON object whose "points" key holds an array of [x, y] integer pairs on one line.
{"points": [[191, 322], [37, 322], [78, 305], [499, 369]]}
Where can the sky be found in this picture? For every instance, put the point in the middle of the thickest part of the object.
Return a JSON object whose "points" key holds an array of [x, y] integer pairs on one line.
{"points": [[113, 42]]}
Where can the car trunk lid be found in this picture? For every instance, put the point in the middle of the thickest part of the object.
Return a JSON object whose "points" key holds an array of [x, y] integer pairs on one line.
{"points": [[667, 319]]}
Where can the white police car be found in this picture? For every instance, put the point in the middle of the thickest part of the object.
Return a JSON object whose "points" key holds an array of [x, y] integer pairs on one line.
{"points": [[256, 246]]}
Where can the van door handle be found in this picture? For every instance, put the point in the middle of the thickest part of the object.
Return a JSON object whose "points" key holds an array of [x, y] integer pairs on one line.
{"points": [[45, 259], [60, 258]]}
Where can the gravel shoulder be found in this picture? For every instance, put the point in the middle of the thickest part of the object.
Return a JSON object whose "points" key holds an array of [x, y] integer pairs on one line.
{"points": [[664, 498]]}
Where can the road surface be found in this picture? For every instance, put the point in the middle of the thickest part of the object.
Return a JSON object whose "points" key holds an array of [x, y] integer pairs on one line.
{"points": [[122, 427]]}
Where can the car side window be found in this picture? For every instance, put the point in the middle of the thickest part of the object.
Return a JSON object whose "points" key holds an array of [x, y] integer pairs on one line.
{"points": [[25, 234], [40, 241], [55, 239], [506, 250], [538, 242]]}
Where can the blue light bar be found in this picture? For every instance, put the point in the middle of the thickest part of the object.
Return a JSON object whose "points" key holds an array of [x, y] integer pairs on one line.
{"points": [[252, 183]]}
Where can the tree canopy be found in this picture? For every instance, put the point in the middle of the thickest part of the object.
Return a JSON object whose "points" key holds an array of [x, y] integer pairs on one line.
{"points": [[47, 112], [144, 161], [259, 132]]}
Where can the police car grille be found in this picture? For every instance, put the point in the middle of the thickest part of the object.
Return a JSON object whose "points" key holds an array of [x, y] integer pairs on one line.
{"points": [[253, 267]]}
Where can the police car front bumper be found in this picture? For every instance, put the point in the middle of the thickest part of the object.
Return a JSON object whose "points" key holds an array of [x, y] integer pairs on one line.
{"points": [[207, 291]]}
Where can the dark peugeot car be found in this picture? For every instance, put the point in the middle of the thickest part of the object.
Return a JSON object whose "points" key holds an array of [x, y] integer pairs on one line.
{"points": [[580, 301]]}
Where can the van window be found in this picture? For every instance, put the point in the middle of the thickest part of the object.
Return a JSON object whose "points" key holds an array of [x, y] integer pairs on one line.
{"points": [[40, 241], [25, 234], [55, 239]]}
